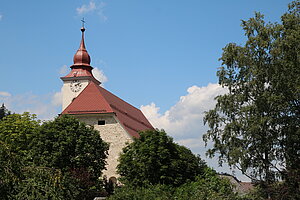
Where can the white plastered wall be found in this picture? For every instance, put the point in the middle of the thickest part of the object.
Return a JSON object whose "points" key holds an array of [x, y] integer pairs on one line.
{"points": [[114, 134], [68, 94]]}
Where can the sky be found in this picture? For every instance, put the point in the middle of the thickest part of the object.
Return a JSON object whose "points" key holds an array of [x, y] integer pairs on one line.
{"points": [[159, 56]]}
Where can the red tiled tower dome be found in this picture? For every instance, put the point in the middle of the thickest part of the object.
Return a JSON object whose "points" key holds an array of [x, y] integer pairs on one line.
{"points": [[82, 58]]}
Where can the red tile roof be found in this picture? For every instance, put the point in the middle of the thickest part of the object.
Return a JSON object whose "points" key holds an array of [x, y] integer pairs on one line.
{"points": [[80, 71], [246, 187], [96, 100]]}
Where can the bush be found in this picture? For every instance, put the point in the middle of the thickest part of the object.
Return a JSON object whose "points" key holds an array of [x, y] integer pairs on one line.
{"points": [[149, 192], [209, 186]]}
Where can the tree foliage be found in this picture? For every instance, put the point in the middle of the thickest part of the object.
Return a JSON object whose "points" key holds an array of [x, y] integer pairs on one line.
{"points": [[255, 126], [207, 186], [149, 192], [155, 159], [10, 167], [70, 146], [3, 111], [59, 159], [17, 130], [45, 183]]}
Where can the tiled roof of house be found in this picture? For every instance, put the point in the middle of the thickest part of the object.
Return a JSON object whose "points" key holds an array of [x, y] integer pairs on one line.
{"points": [[94, 99], [240, 187], [246, 187]]}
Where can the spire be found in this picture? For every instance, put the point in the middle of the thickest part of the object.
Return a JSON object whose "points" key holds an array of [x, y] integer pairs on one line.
{"points": [[82, 58]]}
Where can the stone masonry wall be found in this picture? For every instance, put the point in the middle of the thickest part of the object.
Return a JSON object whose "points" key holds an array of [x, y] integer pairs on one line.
{"points": [[114, 134]]}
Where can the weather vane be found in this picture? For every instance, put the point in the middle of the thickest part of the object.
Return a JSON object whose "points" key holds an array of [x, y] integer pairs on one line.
{"points": [[83, 22]]}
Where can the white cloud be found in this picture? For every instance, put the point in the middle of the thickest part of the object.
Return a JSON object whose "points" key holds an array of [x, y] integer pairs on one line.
{"points": [[1, 16], [57, 99], [35, 104], [185, 118], [5, 94], [191, 142], [93, 7], [64, 70], [99, 75], [101, 11], [86, 8], [184, 121]]}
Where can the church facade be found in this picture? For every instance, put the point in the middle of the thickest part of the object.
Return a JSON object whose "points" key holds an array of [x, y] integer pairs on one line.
{"points": [[83, 97]]}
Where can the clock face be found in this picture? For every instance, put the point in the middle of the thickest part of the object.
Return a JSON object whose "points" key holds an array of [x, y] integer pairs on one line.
{"points": [[75, 86]]}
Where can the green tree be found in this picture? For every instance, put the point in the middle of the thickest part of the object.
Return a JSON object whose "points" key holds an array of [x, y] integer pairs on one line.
{"points": [[155, 159], [60, 159], [17, 130], [3, 111], [46, 183], [10, 171], [255, 126], [208, 186], [150, 192], [76, 150]]}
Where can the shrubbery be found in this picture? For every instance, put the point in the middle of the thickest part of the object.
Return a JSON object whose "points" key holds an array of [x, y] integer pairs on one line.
{"points": [[149, 192], [208, 186]]}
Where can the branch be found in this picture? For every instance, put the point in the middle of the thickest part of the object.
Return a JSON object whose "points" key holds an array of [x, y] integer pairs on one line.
{"points": [[249, 176]]}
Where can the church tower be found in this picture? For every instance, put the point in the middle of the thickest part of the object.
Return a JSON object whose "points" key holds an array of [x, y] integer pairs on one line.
{"points": [[80, 75], [117, 121]]}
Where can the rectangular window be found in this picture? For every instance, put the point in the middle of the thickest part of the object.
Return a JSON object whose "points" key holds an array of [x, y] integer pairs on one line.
{"points": [[101, 122]]}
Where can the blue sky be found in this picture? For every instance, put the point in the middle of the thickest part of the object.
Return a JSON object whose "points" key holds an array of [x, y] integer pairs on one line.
{"points": [[160, 56]]}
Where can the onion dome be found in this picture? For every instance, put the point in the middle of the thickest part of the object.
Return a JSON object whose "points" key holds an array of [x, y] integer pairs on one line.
{"points": [[82, 58]]}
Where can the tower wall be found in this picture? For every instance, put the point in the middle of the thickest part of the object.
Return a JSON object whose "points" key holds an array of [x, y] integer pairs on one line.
{"points": [[67, 93]]}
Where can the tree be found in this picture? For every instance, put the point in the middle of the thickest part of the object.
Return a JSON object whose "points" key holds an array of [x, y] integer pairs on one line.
{"points": [[151, 192], [60, 159], [3, 111], [17, 130], [255, 126], [75, 149], [10, 171], [15, 135], [208, 186], [155, 159]]}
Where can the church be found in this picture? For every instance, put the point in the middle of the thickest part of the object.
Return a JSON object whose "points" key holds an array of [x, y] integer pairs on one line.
{"points": [[83, 97]]}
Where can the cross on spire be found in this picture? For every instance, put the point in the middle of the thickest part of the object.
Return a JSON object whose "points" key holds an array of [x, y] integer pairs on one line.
{"points": [[83, 22]]}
